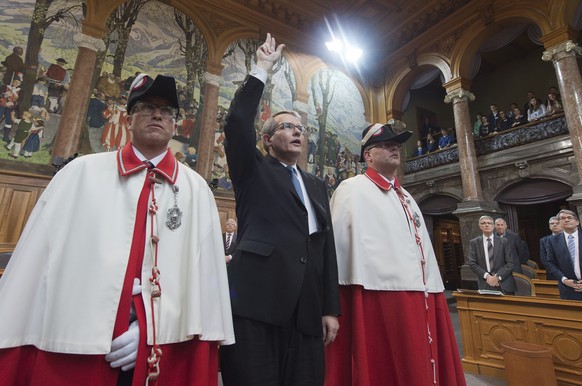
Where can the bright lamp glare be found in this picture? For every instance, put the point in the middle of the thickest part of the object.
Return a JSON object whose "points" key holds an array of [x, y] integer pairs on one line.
{"points": [[334, 45], [353, 54]]}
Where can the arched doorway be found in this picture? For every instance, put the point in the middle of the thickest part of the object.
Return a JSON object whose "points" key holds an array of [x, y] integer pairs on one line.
{"points": [[529, 204], [445, 231]]}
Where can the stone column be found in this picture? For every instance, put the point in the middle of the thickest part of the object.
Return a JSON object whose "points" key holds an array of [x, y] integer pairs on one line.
{"points": [[473, 206], [467, 155], [75, 109], [206, 142], [564, 57], [301, 108]]}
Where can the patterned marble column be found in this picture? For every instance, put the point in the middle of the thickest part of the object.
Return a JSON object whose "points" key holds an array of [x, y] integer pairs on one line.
{"points": [[74, 111], [472, 207], [467, 155], [206, 142], [301, 108], [564, 57]]}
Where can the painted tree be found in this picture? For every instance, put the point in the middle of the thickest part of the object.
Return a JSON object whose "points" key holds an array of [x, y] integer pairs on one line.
{"points": [[117, 30], [46, 12], [195, 52], [321, 84], [288, 73]]}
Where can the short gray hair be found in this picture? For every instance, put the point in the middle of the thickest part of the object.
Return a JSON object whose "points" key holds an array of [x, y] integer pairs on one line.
{"points": [[270, 124]]}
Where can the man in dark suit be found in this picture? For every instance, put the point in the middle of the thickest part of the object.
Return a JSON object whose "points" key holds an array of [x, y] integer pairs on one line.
{"points": [[564, 256], [519, 248], [229, 239], [491, 259], [283, 276], [554, 224]]}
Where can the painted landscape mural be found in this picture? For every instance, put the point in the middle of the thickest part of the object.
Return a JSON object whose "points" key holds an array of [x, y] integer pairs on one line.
{"points": [[152, 37]]}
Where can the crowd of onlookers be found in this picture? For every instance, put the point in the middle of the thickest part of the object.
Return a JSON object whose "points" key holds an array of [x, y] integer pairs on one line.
{"points": [[434, 138]]}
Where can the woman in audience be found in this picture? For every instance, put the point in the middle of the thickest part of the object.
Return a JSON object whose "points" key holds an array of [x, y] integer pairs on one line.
{"points": [[477, 125], [486, 128], [554, 104], [536, 110], [518, 117], [431, 144]]}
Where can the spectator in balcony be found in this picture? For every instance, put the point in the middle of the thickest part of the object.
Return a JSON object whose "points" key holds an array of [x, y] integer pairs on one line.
{"points": [[536, 110], [486, 127], [504, 122], [554, 105], [518, 117], [493, 115], [477, 125], [429, 127], [512, 107], [431, 144], [530, 94], [446, 140], [420, 150]]}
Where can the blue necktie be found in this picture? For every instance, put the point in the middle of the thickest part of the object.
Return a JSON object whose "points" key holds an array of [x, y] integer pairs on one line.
{"points": [[572, 249], [295, 182]]}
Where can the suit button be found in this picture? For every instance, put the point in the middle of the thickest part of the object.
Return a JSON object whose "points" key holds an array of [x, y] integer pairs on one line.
{"points": [[303, 260]]}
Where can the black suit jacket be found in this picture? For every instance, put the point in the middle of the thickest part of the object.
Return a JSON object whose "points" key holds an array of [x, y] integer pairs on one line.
{"points": [[232, 246], [559, 264], [502, 263], [278, 268], [518, 247], [544, 242]]}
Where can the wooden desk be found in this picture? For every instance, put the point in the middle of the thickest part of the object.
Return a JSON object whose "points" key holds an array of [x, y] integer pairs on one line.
{"points": [[546, 289], [487, 321]]}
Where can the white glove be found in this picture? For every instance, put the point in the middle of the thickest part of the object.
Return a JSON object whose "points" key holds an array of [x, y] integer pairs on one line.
{"points": [[136, 289], [124, 349]]}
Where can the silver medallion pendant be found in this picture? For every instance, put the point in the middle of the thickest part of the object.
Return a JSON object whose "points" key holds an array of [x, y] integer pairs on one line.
{"points": [[416, 218], [174, 213]]}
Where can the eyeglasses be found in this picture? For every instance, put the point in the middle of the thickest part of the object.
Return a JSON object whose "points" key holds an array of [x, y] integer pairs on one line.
{"points": [[167, 112], [289, 126]]}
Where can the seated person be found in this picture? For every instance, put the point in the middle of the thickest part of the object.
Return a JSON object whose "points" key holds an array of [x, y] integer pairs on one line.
{"points": [[446, 140], [504, 122], [518, 117], [554, 105], [536, 110]]}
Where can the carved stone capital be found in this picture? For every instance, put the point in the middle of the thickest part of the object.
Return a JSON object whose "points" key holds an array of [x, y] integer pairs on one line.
{"points": [[89, 42], [212, 79], [300, 106], [459, 94], [566, 47]]}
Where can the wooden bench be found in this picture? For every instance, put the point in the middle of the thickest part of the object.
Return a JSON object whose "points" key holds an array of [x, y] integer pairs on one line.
{"points": [[489, 320], [546, 288]]}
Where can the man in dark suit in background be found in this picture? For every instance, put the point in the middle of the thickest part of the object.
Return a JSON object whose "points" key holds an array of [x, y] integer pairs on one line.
{"points": [[283, 276], [229, 239], [564, 256], [554, 224], [521, 255], [491, 258]]}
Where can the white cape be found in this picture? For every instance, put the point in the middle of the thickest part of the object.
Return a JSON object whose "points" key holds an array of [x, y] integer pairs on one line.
{"points": [[61, 289]]}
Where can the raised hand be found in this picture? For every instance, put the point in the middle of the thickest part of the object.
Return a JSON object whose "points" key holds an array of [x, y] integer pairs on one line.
{"points": [[269, 53]]}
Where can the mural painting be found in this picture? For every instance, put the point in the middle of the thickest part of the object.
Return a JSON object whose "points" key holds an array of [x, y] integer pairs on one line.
{"points": [[152, 37]]}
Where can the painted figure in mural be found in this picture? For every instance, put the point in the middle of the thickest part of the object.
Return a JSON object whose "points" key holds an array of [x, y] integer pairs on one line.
{"points": [[116, 244], [21, 130], [116, 130], [14, 65], [283, 274], [108, 86], [40, 92], [9, 104], [391, 287], [32, 142]]}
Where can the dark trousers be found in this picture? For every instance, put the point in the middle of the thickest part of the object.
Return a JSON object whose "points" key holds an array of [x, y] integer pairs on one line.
{"points": [[269, 355]]}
